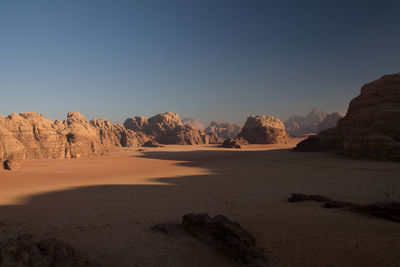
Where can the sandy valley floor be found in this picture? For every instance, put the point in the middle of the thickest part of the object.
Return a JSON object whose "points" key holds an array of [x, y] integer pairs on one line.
{"points": [[106, 206]]}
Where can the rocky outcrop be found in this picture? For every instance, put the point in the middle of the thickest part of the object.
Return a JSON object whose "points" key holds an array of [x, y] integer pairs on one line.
{"points": [[23, 250], [31, 136], [330, 121], [386, 210], [193, 122], [167, 128], [238, 142], [299, 126], [151, 143], [227, 236], [371, 127], [219, 131], [116, 135], [264, 130]]}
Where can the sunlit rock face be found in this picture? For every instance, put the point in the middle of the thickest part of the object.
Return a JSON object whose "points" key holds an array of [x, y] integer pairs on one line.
{"points": [[371, 127], [29, 135], [220, 131], [264, 130], [167, 128]]}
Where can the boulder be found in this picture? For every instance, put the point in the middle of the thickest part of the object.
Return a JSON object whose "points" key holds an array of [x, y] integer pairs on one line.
{"points": [[151, 143], [12, 163], [239, 142], [264, 130], [227, 236], [371, 127]]}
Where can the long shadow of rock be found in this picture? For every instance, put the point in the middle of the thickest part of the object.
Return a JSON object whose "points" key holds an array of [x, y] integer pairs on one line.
{"points": [[111, 223]]}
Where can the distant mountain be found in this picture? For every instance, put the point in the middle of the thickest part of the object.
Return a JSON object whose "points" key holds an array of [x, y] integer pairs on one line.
{"points": [[330, 121], [193, 122], [219, 131], [298, 126]]}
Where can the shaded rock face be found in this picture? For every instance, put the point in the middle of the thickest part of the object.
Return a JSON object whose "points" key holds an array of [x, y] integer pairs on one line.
{"points": [[330, 121], [239, 142], [298, 126], [193, 122], [31, 136], [264, 130], [167, 128], [371, 127], [219, 131], [24, 251], [226, 235]]}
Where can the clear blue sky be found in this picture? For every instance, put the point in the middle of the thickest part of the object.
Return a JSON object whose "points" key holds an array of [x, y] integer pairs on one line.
{"points": [[208, 59]]}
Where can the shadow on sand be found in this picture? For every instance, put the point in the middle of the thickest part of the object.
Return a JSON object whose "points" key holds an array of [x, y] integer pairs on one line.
{"points": [[111, 223]]}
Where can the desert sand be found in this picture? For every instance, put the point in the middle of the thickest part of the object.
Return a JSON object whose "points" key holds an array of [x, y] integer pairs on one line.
{"points": [[105, 206]]}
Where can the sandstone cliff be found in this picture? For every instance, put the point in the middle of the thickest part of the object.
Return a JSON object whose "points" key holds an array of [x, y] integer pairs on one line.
{"points": [[371, 127], [31, 136], [167, 128]]}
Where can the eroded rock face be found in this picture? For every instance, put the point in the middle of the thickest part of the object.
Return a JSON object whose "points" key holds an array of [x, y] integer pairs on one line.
{"points": [[371, 127], [31, 136], [226, 235], [24, 251], [264, 130], [220, 131], [238, 142], [299, 126], [167, 128]]}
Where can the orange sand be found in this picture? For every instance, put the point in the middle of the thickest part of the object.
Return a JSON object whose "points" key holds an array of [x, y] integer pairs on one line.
{"points": [[105, 206]]}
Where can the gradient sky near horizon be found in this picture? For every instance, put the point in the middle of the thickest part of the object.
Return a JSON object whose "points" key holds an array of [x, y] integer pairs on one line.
{"points": [[207, 59]]}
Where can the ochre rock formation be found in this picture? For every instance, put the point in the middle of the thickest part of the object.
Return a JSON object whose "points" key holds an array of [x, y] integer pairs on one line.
{"points": [[31, 136], [264, 130], [167, 128], [371, 127]]}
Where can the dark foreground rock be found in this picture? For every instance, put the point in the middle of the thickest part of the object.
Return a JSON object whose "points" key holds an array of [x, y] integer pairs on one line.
{"points": [[226, 235], [235, 143], [23, 251], [386, 210], [302, 197]]}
